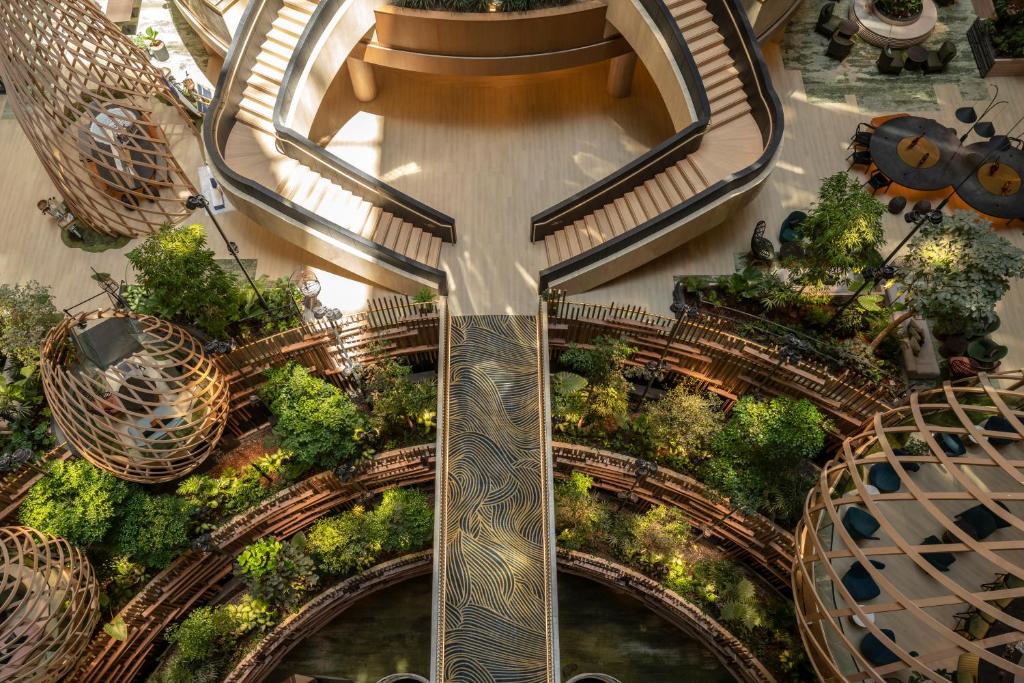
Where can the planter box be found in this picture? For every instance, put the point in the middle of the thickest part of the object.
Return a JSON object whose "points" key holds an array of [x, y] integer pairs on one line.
{"points": [[492, 34], [985, 55]]}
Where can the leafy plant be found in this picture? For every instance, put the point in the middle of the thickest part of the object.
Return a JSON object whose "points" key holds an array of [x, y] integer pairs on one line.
{"points": [[181, 282], [26, 315], [682, 424], [117, 629], [123, 577], [315, 420], [402, 522], [250, 614], [578, 513], [655, 537], [598, 362], [153, 530], [899, 9], [401, 410], [957, 271], [75, 500], [278, 572], [761, 454], [217, 498], [842, 232], [1006, 28]]}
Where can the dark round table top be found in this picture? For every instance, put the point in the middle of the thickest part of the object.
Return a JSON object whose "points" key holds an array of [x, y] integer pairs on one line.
{"points": [[915, 152], [917, 53], [996, 188]]}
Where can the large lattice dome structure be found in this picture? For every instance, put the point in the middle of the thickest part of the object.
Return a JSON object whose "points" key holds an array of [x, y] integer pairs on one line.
{"points": [[911, 547], [133, 394], [49, 605]]}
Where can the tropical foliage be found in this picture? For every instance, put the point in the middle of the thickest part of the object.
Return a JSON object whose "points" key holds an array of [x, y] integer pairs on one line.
{"points": [[153, 529], [314, 421], [279, 573], [957, 271], [401, 411]]}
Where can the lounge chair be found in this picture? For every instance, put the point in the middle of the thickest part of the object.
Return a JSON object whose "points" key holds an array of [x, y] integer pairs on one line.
{"points": [[986, 351], [760, 246], [876, 652], [827, 23], [951, 444], [967, 668], [939, 59], [859, 157], [860, 584], [998, 423], [860, 524], [878, 181], [890, 62], [790, 230], [884, 478], [940, 560]]}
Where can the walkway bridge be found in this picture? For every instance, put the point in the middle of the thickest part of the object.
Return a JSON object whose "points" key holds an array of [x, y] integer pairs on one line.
{"points": [[495, 604]]}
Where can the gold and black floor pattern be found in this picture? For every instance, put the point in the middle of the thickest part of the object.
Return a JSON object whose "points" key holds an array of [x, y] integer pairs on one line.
{"points": [[494, 595]]}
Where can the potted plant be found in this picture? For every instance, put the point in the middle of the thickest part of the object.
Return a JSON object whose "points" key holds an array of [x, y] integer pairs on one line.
{"points": [[899, 12], [149, 41], [425, 297]]}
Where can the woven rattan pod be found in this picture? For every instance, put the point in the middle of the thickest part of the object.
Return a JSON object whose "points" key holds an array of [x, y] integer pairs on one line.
{"points": [[49, 605], [135, 395], [910, 552], [98, 113]]}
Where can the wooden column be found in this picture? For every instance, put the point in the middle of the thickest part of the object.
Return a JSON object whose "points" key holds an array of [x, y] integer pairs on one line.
{"points": [[364, 83], [620, 74]]}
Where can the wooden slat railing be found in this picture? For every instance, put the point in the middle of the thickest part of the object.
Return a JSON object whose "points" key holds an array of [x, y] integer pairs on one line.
{"points": [[717, 352], [261, 661]]}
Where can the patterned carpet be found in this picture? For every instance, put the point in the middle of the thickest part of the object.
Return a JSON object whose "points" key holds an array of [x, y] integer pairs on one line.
{"points": [[827, 80], [494, 599]]}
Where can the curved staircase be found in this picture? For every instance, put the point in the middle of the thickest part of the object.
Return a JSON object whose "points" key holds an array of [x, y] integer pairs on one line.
{"points": [[732, 141], [302, 194]]}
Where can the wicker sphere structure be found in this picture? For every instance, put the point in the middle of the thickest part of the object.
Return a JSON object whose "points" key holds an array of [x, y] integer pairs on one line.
{"points": [[49, 605], [133, 394], [910, 551], [87, 99]]}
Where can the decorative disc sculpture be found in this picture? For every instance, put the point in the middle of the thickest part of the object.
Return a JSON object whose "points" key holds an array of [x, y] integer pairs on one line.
{"points": [[910, 552], [86, 97], [133, 394], [49, 605]]}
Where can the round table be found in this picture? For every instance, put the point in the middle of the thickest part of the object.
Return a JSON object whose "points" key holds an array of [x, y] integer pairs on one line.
{"points": [[915, 152], [995, 189], [917, 57]]}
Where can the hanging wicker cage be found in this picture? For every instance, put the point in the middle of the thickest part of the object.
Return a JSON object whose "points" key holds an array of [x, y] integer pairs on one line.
{"points": [[135, 395], [910, 551], [49, 605]]}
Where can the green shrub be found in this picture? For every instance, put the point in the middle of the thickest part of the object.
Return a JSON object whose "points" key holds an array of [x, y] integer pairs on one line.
{"points": [[153, 530], [26, 315], [597, 363], [402, 411], [280, 573], [899, 9], [408, 517], [221, 497], [250, 614], [402, 522], [682, 425], [655, 537], [1007, 28], [180, 281], [761, 454], [579, 514], [206, 633], [315, 420], [122, 577], [75, 500]]}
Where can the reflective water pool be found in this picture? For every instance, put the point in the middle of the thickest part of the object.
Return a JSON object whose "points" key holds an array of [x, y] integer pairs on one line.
{"points": [[600, 629]]}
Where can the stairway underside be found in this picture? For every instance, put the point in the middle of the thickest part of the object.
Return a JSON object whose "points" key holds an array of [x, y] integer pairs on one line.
{"points": [[494, 595]]}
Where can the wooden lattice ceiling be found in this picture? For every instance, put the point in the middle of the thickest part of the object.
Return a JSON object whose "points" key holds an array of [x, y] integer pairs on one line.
{"points": [[949, 510], [153, 414], [49, 605], [89, 102]]}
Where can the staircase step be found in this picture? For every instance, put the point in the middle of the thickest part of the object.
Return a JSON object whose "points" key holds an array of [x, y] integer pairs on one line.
{"points": [[301, 5], [593, 230], [583, 234], [730, 114], [270, 73], [404, 235], [700, 17], [603, 224], [661, 203], [563, 245], [257, 122], [551, 250], [282, 52], [391, 237], [292, 182], [683, 8], [380, 228], [689, 178], [413, 247], [723, 72], [370, 222], [257, 95], [647, 204], [701, 181], [636, 208], [626, 218], [265, 85], [272, 60], [614, 219], [706, 43], [259, 109], [434, 255], [424, 250], [668, 189], [300, 17], [284, 25], [283, 38], [699, 30]]}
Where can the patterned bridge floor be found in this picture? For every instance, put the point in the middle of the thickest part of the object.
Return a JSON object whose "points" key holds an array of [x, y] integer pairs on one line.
{"points": [[494, 599]]}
